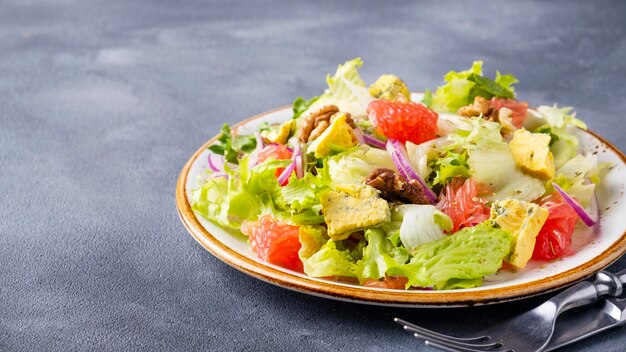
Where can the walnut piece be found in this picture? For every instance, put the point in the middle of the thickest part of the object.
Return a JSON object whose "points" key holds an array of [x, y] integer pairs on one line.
{"points": [[481, 106], [318, 130], [393, 188], [505, 118], [317, 122]]}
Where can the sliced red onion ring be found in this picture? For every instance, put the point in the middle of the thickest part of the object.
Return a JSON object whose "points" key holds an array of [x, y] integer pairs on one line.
{"points": [[259, 141], [373, 141], [219, 174], [277, 144], [394, 147], [359, 135], [588, 219], [254, 156], [216, 162], [297, 158], [254, 160], [396, 160], [284, 176]]}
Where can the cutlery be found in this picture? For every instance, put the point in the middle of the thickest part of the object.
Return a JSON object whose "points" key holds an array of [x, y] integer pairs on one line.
{"points": [[571, 328], [530, 331]]}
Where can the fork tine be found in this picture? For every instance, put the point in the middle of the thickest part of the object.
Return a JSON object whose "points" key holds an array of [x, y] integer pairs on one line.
{"points": [[436, 335], [492, 346], [448, 346], [441, 347]]}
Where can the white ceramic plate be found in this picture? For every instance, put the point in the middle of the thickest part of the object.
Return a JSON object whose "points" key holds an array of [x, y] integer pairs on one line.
{"points": [[600, 246]]}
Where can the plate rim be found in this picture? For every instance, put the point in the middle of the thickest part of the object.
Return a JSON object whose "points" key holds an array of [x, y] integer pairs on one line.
{"points": [[359, 294]]}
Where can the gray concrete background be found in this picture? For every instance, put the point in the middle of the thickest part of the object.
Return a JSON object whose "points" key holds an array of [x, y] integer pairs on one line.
{"points": [[101, 104]]}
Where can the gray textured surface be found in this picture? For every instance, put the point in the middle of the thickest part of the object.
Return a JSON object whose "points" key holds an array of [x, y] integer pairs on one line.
{"points": [[101, 103]]}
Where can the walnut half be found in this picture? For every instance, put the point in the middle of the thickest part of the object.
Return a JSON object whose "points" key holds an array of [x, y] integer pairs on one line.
{"points": [[317, 122], [393, 188], [480, 107]]}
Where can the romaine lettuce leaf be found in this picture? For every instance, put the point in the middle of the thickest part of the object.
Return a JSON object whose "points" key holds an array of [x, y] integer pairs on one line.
{"points": [[457, 261]]}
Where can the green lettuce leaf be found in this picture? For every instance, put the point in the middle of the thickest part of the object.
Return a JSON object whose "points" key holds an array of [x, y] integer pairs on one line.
{"points": [[379, 255], [454, 94], [559, 122], [462, 87], [353, 166], [331, 261], [448, 165], [487, 88], [460, 260], [572, 177], [560, 117], [346, 89], [250, 192], [427, 99], [312, 239], [491, 162], [241, 196], [231, 146], [304, 193], [506, 82], [300, 105]]}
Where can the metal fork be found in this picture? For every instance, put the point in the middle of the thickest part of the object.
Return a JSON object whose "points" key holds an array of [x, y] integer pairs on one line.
{"points": [[590, 321], [532, 330]]}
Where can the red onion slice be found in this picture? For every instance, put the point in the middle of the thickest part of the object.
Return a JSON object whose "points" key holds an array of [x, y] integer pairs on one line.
{"points": [[253, 161], [216, 162], [359, 135], [219, 174], [259, 141], [297, 158], [396, 160], [278, 145], [588, 219], [254, 156], [373, 141], [284, 176], [402, 163]]}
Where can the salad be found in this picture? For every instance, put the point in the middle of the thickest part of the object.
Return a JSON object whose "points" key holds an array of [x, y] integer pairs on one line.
{"points": [[366, 186]]}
